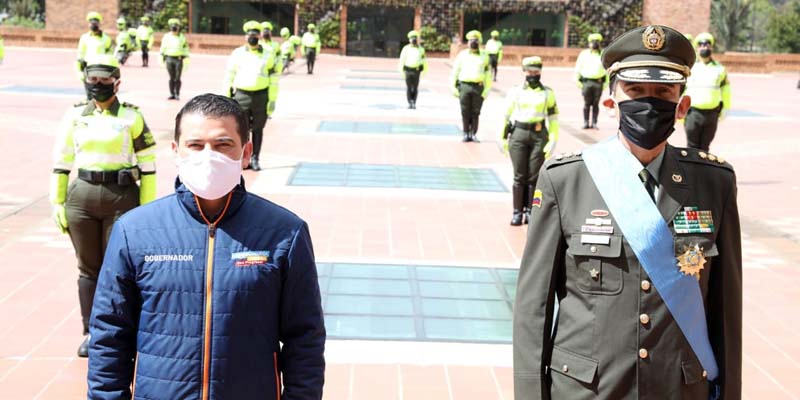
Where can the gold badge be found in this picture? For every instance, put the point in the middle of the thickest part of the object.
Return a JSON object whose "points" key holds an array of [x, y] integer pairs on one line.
{"points": [[691, 262], [653, 38], [677, 178], [594, 273]]}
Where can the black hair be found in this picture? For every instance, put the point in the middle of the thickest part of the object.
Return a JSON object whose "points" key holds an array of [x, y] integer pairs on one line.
{"points": [[215, 106]]}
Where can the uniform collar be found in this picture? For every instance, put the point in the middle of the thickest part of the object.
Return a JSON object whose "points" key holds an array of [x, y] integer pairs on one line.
{"points": [[91, 108]]}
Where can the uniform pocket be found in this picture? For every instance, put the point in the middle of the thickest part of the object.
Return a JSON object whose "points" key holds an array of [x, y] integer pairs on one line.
{"points": [[575, 366], [597, 265], [705, 242], [692, 372]]}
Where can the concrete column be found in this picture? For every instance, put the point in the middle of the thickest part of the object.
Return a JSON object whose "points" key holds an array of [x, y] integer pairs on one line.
{"points": [[565, 41], [688, 16], [417, 18], [343, 29], [297, 19]]}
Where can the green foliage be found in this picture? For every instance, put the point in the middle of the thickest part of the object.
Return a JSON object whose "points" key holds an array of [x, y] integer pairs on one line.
{"points": [[328, 30], [23, 22], [433, 40], [159, 12], [783, 30], [579, 29], [730, 22]]}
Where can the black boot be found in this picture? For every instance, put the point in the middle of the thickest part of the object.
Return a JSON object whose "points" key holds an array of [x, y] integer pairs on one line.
{"points": [[171, 90], [474, 130], [86, 289], [595, 111], [178, 90], [516, 199], [254, 163], [527, 199], [413, 104]]}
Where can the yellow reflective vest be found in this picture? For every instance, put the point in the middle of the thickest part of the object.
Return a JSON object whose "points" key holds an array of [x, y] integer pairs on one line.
{"points": [[589, 65], [708, 86], [495, 47], [413, 57], [173, 45], [145, 35], [310, 40], [91, 44], [471, 66], [249, 68]]}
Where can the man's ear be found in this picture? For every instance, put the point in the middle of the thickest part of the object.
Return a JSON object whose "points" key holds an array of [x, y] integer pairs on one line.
{"points": [[683, 107], [247, 153]]}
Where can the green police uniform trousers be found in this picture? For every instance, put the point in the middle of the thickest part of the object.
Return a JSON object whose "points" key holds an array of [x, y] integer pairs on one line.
{"points": [[701, 127], [471, 97], [526, 148], [254, 103]]}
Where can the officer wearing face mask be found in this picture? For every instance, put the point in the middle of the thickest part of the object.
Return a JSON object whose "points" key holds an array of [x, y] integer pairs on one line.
{"points": [[530, 134], [494, 48], [247, 80], [287, 49], [211, 292], [711, 95], [591, 78], [92, 44], [112, 148], [274, 78], [413, 65], [144, 35], [310, 46], [630, 285], [471, 82], [175, 54], [124, 46]]}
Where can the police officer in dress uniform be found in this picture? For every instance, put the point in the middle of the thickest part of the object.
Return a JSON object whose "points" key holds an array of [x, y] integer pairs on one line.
{"points": [[638, 245], [471, 82], [247, 79], [530, 134], [112, 147], [494, 47], [711, 95], [175, 54], [591, 78], [92, 44], [413, 65]]}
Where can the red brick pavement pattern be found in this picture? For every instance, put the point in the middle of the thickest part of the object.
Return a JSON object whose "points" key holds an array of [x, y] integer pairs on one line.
{"points": [[40, 329]]}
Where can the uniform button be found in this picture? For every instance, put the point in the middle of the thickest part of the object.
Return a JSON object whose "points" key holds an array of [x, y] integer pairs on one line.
{"points": [[705, 374], [644, 319], [643, 353], [645, 285], [565, 368], [593, 249]]}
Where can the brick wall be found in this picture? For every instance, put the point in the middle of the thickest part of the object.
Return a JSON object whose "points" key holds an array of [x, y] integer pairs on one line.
{"points": [[70, 15], [687, 16]]}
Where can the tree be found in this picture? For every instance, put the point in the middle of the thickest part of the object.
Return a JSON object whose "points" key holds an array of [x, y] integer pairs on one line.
{"points": [[784, 26], [730, 21]]}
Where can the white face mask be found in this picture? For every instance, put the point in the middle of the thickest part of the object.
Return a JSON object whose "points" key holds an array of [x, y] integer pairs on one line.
{"points": [[209, 174]]}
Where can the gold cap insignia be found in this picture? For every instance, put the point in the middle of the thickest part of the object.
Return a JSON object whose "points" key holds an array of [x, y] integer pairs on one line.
{"points": [[692, 261], [653, 38]]}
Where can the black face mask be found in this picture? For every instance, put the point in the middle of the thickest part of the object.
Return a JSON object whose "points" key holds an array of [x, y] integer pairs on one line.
{"points": [[267, 35], [101, 92], [647, 121], [533, 80], [94, 27], [414, 41], [594, 45], [473, 44], [705, 53], [174, 28], [252, 40]]}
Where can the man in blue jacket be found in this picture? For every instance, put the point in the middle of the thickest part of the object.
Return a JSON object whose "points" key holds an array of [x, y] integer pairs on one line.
{"points": [[210, 293]]}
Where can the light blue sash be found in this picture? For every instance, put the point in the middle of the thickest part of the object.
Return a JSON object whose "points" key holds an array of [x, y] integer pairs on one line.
{"points": [[614, 171]]}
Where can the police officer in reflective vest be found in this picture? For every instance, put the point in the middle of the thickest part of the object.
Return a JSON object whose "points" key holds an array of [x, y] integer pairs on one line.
{"points": [[471, 82], [530, 134], [413, 65], [310, 46], [124, 46], [710, 91], [494, 47], [144, 35], [175, 54], [591, 78], [274, 79], [287, 49], [112, 148], [92, 44], [249, 72]]}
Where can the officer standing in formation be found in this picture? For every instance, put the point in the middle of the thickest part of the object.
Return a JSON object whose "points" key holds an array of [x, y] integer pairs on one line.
{"points": [[494, 47], [123, 41], [530, 134], [144, 34], [287, 48], [591, 78], [92, 44], [112, 147], [275, 75], [175, 54], [310, 46], [471, 82], [413, 65], [247, 79], [638, 245], [710, 91]]}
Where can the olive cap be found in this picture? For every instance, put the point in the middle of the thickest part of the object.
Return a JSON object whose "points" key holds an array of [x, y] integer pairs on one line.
{"points": [[251, 26], [652, 53], [102, 66]]}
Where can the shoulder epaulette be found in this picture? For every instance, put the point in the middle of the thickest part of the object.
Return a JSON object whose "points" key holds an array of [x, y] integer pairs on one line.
{"points": [[129, 105], [701, 157], [83, 103], [563, 159]]}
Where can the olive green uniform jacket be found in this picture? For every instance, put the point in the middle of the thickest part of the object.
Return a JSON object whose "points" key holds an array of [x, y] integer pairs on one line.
{"points": [[612, 336]]}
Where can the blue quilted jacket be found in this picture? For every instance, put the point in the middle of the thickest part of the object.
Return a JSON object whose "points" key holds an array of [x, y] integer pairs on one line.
{"points": [[208, 311]]}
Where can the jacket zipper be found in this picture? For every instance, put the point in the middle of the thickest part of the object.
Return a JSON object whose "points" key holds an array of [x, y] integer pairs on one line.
{"points": [[207, 312]]}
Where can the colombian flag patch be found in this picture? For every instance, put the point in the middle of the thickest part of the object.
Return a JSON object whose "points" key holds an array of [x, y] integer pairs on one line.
{"points": [[249, 258], [537, 199]]}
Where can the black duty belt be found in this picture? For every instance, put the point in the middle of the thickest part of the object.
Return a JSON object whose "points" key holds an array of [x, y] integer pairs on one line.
{"points": [[253, 92], [598, 80], [471, 83], [412, 68], [530, 126], [120, 177]]}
